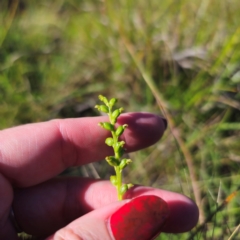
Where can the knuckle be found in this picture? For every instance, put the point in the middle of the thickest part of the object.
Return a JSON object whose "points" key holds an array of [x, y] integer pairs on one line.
{"points": [[67, 233], [70, 234]]}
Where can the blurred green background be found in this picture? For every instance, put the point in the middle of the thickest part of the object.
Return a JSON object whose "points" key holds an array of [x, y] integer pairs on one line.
{"points": [[177, 58]]}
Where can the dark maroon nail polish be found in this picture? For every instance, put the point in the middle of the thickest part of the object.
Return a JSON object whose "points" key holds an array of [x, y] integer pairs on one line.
{"points": [[141, 218], [165, 122]]}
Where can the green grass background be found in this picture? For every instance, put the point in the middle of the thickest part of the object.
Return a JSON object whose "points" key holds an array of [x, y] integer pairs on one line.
{"points": [[177, 58]]}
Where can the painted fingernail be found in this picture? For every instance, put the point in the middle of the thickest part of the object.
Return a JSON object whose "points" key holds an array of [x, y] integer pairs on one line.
{"points": [[141, 218], [165, 122]]}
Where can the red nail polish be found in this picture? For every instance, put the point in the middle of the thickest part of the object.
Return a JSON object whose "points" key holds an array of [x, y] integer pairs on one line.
{"points": [[141, 218]]}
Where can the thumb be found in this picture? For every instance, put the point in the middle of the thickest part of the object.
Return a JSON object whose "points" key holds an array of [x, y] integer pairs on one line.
{"points": [[140, 218]]}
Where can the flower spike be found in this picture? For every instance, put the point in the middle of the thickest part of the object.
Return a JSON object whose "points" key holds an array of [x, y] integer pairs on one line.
{"points": [[115, 161]]}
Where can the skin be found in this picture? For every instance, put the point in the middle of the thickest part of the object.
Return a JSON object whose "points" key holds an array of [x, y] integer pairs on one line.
{"points": [[32, 156]]}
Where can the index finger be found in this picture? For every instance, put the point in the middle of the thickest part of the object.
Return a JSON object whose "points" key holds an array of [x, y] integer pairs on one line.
{"points": [[33, 153]]}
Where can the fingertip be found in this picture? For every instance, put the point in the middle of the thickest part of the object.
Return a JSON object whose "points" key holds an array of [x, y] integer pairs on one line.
{"points": [[183, 216], [144, 129], [142, 217]]}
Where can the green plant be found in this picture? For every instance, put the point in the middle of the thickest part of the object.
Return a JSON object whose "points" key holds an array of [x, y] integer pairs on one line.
{"points": [[115, 161]]}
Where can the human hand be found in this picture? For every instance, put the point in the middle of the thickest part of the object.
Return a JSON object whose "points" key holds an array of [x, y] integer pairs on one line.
{"points": [[47, 206]]}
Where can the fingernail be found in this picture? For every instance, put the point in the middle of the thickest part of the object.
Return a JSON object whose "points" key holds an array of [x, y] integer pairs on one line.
{"points": [[141, 218], [165, 122]]}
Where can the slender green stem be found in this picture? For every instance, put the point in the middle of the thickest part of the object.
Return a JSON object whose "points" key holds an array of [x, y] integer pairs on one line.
{"points": [[117, 169], [119, 182]]}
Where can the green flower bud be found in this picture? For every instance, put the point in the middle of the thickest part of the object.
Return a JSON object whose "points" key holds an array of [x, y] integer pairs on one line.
{"points": [[102, 108], [123, 189], [129, 185], [112, 161], [124, 163], [118, 148], [114, 116], [117, 112], [107, 126], [119, 145], [113, 180], [120, 152], [103, 99], [109, 141], [120, 130], [112, 102]]}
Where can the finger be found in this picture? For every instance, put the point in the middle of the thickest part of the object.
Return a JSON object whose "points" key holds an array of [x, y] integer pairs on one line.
{"points": [[91, 226], [56, 203], [7, 230], [33, 153], [183, 211], [139, 218]]}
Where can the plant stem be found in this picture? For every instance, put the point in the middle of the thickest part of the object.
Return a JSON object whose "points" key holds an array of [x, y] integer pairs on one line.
{"points": [[119, 182], [117, 170]]}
